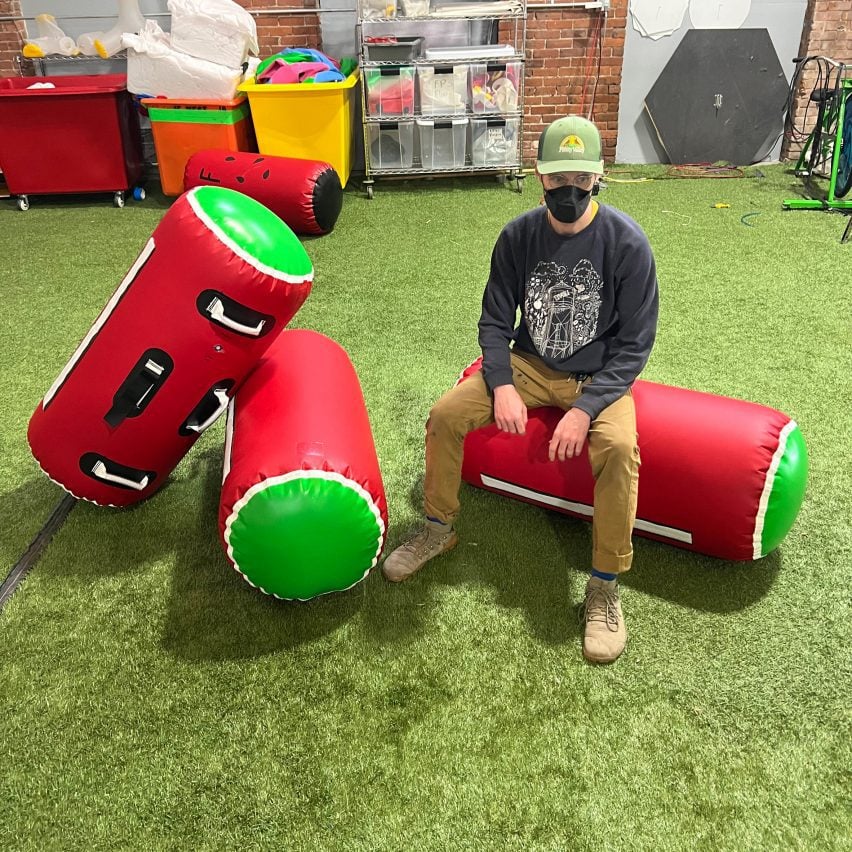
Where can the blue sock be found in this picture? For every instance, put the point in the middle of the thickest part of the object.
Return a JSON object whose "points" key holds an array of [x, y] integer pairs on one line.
{"points": [[436, 521], [603, 575]]}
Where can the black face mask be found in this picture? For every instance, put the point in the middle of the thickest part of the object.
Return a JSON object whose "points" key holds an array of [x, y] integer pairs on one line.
{"points": [[567, 203]]}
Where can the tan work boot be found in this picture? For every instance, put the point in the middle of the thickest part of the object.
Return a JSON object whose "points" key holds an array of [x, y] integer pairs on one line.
{"points": [[430, 541], [604, 633]]}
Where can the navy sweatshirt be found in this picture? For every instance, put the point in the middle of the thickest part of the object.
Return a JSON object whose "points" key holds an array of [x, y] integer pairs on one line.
{"points": [[588, 302]]}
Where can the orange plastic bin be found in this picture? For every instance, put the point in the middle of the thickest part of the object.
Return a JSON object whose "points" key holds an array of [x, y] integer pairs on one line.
{"points": [[181, 128]]}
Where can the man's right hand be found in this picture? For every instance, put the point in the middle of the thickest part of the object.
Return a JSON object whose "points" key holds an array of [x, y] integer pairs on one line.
{"points": [[510, 413]]}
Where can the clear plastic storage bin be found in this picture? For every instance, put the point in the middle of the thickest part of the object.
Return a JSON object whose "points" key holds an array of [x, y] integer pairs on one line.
{"points": [[494, 141], [495, 86], [414, 8], [390, 91], [392, 145], [372, 10], [442, 143], [443, 89]]}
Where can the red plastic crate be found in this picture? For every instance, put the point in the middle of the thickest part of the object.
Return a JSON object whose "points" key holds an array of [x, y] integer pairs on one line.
{"points": [[81, 136]]}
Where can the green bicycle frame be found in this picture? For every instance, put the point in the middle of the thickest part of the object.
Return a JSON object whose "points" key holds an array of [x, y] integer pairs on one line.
{"points": [[831, 201]]}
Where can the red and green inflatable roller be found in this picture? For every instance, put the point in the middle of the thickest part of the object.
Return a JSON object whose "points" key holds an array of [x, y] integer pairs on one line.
{"points": [[303, 509], [719, 476], [217, 281]]}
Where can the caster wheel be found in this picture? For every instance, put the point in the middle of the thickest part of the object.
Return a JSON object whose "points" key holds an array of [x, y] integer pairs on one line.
{"points": [[139, 193], [118, 199], [501, 179], [23, 203], [369, 192]]}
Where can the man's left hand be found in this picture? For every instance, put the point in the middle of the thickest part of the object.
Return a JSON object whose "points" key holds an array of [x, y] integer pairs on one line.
{"points": [[569, 435]]}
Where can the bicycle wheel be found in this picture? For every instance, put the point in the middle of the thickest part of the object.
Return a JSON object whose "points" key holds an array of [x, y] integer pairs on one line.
{"points": [[844, 165]]}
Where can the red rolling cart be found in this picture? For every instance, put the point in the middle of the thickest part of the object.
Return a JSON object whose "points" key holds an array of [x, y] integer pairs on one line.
{"points": [[81, 135]]}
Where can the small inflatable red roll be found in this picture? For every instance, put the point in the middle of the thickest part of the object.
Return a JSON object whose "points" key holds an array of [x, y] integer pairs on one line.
{"points": [[303, 509], [719, 476], [218, 280], [306, 194]]}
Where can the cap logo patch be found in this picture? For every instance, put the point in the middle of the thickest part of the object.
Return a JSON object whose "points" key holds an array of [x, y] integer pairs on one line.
{"points": [[572, 144]]}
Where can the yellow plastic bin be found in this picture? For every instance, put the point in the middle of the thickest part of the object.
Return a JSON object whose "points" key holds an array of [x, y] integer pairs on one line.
{"points": [[308, 121]]}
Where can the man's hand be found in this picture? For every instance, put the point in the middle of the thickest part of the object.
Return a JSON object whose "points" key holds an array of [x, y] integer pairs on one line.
{"points": [[569, 435], [510, 413]]}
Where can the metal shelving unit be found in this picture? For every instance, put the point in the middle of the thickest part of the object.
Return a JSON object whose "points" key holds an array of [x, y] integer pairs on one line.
{"points": [[481, 133], [40, 66]]}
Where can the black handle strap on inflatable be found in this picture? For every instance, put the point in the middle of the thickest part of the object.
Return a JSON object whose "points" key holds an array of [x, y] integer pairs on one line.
{"points": [[143, 381]]}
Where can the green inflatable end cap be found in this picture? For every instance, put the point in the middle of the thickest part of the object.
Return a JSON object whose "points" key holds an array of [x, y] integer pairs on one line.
{"points": [[306, 535], [254, 229], [788, 491]]}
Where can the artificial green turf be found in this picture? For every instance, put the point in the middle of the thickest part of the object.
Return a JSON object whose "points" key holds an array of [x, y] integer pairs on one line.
{"points": [[150, 699]]}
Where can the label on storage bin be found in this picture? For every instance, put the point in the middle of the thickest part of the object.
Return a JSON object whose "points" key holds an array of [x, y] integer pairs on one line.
{"points": [[443, 91], [494, 142]]}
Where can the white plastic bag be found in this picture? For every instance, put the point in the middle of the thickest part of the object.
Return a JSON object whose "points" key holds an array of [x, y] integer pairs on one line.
{"points": [[217, 30], [155, 68]]}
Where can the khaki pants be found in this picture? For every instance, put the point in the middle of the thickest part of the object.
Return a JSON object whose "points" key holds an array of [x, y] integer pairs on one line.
{"points": [[613, 452]]}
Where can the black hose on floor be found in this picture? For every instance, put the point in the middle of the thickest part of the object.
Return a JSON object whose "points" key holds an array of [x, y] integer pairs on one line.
{"points": [[33, 553]]}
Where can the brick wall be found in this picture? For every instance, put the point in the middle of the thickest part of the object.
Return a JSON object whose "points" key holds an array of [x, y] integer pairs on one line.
{"points": [[827, 32], [277, 31], [562, 62], [11, 38]]}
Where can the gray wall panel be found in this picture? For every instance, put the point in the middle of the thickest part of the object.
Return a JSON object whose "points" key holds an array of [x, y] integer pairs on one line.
{"points": [[645, 58]]}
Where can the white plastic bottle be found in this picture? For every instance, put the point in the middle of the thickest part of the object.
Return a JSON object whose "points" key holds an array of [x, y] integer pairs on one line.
{"points": [[51, 39]]}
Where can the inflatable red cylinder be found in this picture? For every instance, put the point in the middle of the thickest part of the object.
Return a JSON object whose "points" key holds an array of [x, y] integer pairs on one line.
{"points": [[719, 476], [306, 194], [218, 280], [303, 509]]}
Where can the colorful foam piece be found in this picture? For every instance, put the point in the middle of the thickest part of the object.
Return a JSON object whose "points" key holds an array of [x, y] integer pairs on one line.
{"points": [[306, 194], [719, 476], [303, 509], [295, 56], [217, 281], [281, 72]]}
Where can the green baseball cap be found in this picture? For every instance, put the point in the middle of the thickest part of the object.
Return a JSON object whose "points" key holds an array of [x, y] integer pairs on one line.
{"points": [[570, 144]]}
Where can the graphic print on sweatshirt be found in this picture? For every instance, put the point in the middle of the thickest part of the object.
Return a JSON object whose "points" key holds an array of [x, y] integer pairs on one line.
{"points": [[561, 308]]}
